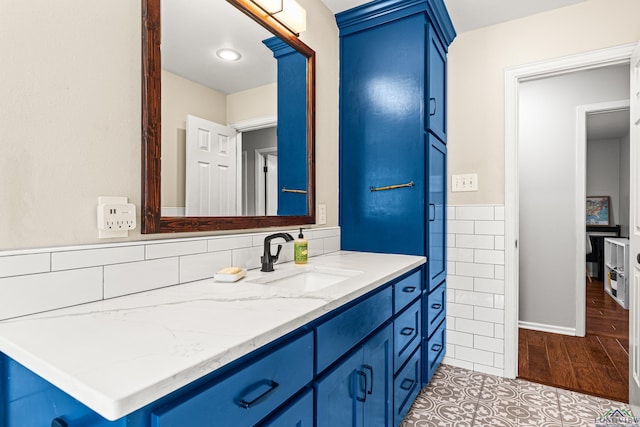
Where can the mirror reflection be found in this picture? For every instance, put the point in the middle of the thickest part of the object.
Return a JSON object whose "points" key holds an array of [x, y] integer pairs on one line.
{"points": [[233, 131]]}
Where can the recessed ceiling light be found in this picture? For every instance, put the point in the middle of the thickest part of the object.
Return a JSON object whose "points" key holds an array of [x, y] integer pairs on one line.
{"points": [[228, 54]]}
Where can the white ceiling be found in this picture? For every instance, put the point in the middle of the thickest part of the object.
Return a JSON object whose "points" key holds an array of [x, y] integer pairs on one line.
{"points": [[609, 125], [194, 30], [469, 15]]}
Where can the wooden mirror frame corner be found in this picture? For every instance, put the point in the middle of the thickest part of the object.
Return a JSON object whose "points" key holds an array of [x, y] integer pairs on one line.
{"points": [[151, 219]]}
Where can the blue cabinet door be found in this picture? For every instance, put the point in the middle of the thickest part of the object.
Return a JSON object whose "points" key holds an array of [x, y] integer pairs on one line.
{"points": [[378, 364], [340, 394], [297, 414], [382, 138], [437, 78], [437, 212]]}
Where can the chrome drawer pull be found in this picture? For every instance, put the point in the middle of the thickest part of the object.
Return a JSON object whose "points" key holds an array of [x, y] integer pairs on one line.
{"points": [[432, 206], [58, 422], [288, 190], [408, 289], [407, 384], [436, 306], [407, 331], [370, 369], [272, 386], [436, 347], [392, 187]]}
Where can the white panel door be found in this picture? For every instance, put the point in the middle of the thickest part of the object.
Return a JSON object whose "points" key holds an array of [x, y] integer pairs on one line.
{"points": [[634, 237], [272, 184], [211, 165]]}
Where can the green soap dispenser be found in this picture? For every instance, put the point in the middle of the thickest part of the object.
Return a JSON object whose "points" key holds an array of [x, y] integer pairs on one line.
{"points": [[300, 249]]}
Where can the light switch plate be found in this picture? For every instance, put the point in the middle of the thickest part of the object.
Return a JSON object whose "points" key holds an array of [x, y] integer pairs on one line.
{"points": [[464, 182], [322, 214]]}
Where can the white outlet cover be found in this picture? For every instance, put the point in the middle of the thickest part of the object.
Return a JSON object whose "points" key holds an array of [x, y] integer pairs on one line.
{"points": [[123, 213]]}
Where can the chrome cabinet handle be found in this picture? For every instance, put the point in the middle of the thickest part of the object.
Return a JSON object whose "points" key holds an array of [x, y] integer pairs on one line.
{"points": [[272, 386], [392, 187], [408, 289], [436, 306], [432, 206], [436, 347], [288, 190], [59, 422]]}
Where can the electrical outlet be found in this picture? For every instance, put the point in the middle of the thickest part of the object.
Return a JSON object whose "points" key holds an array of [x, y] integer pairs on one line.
{"points": [[115, 217], [464, 182], [322, 214]]}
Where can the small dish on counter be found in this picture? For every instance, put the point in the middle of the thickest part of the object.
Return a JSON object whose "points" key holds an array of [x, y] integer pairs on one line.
{"points": [[230, 274]]}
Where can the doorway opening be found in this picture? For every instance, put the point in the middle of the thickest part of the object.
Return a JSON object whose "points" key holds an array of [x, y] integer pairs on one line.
{"points": [[514, 78]]}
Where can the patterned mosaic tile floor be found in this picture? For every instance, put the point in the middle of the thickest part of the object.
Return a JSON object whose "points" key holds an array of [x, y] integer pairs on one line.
{"points": [[457, 397]]}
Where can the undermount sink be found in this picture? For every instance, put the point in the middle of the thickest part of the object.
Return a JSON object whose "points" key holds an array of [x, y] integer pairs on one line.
{"points": [[306, 279]]}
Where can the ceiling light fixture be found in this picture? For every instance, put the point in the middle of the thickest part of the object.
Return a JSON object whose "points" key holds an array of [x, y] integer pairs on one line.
{"points": [[287, 12], [228, 54]]}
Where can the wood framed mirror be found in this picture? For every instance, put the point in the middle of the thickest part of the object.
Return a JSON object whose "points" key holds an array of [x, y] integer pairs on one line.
{"points": [[151, 216]]}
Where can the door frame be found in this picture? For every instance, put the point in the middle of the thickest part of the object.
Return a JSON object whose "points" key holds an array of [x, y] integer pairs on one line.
{"points": [[513, 77]]}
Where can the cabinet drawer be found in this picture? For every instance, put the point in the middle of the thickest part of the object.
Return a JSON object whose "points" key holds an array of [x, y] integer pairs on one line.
{"points": [[406, 387], [406, 334], [297, 414], [435, 349], [337, 335], [436, 303], [246, 396], [406, 290]]}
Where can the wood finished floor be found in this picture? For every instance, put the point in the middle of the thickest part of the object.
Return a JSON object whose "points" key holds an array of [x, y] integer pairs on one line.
{"points": [[597, 364]]}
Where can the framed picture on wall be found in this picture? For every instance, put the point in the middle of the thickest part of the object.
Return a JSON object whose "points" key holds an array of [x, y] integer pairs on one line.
{"points": [[598, 210]]}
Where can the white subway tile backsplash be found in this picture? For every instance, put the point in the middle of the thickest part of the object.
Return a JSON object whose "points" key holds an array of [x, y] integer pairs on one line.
{"points": [[451, 240], [459, 338], [323, 234], [16, 265], [474, 241], [478, 367], [482, 256], [22, 295], [460, 254], [498, 360], [474, 298], [228, 243], [451, 267], [475, 270], [460, 310], [67, 260], [248, 258], [451, 212], [475, 212], [499, 242], [494, 228], [166, 250], [459, 282], [123, 279], [499, 213], [474, 327], [498, 301], [473, 355], [498, 331], [488, 314], [499, 274], [203, 266], [489, 344], [331, 244], [460, 227], [488, 285]]}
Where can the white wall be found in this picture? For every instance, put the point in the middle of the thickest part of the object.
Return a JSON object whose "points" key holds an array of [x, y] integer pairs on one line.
{"points": [[603, 173], [70, 115], [547, 173], [477, 61]]}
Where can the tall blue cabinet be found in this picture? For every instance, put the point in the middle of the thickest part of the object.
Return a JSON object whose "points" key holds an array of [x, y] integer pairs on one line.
{"points": [[393, 71]]}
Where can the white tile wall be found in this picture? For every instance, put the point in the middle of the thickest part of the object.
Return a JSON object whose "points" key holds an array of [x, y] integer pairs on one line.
{"points": [[33, 281], [475, 281]]}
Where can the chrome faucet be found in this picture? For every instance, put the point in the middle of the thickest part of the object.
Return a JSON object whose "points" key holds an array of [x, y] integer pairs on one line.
{"points": [[267, 259]]}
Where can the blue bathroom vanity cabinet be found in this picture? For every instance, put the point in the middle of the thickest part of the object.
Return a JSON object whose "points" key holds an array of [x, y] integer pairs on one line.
{"points": [[393, 134]]}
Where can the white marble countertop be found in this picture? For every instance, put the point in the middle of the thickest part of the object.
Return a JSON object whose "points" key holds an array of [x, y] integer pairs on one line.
{"points": [[118, 355]]}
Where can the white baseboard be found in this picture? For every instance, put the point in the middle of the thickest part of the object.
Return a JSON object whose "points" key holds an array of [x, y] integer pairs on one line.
{"points": [[547, 328]]}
